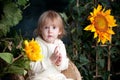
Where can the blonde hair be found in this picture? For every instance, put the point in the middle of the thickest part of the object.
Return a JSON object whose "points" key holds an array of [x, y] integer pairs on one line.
{"points": [[50, 16]]}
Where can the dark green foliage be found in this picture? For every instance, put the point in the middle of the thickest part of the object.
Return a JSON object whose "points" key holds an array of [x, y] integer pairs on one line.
{"points": [[11, 56], [14, 62], [81, 46], [11, 14]]}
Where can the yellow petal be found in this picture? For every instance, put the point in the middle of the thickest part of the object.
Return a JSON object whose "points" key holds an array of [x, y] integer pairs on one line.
{"points": [[98, 40], [103, 41], [26, 43], [95, 35], [88, 28], [107, 12], [110, 31], [96, 11]]}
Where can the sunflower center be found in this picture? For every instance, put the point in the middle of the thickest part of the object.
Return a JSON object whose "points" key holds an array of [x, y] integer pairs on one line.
{"points": [[101, 23]]}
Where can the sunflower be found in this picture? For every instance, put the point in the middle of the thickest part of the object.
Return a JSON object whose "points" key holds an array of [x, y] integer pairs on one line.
{"points": [[33, 50], [101, 24]]}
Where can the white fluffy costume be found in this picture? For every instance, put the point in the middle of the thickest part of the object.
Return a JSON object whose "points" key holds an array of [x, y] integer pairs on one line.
{"points": [[45, 70]]}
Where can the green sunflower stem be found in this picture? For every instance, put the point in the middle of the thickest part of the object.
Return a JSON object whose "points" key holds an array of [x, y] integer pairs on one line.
{"points": [[109, 62], [21, 55], [109, 58], [96, 74], [96, 65]]}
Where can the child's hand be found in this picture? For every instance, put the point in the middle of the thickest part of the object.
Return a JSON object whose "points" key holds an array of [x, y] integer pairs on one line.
{"points": [[56, 57], [58, 62]]}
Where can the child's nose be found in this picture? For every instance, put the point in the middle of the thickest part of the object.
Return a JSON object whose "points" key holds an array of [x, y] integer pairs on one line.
{"points": [[50, 30]]}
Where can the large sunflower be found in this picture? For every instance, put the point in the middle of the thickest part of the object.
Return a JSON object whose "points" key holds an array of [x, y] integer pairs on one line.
{"points": [[101, 24], [33, 50]]}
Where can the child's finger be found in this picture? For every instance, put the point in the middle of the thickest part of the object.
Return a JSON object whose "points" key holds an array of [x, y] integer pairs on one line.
{"points": [[56, 50]]}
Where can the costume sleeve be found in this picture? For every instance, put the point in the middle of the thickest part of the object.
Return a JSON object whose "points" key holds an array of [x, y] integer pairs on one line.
{"points": [[65, 60], [38, 66]]}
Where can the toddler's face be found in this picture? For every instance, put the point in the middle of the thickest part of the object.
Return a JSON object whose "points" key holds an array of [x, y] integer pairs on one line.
{"points": [[50, 32]]}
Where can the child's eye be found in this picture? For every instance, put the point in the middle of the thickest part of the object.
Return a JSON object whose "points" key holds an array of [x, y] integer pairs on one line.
{"points": [[54, 27], [46, 27]]}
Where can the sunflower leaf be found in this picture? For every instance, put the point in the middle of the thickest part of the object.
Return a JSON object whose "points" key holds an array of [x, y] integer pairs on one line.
{"points": [[8, 57], [15, 69]]}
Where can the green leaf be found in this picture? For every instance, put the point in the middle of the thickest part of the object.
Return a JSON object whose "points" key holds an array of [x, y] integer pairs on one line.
{"points": [[23, 63], [15, 69], [105, 75], [3, 29], [64, 16], [8, 57], [101, 63], [12, 14], [83, 59], [22, 2]]}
